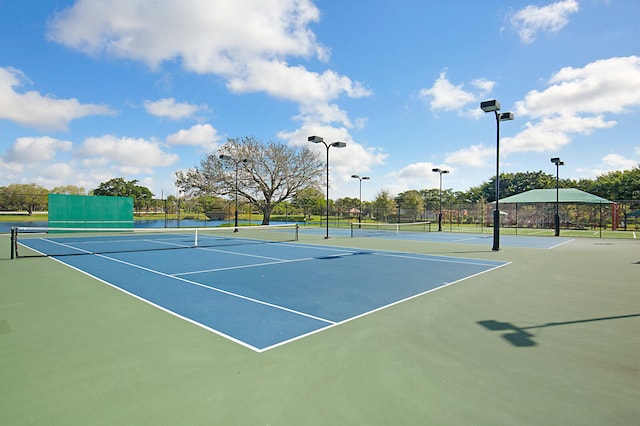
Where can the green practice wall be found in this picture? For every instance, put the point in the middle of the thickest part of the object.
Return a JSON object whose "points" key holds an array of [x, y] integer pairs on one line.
{"points": [[90, 211]]}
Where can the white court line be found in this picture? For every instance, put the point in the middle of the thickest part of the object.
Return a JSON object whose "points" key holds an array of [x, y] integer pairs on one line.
{"points": [[444, 259], [67, 246], [397, 302], [253, 265], [219, 290], [241, 254], [562, 243], [330, 324]]}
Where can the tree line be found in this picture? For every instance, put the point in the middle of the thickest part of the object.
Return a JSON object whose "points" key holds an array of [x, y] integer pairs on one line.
{"points": [[276, 178]]}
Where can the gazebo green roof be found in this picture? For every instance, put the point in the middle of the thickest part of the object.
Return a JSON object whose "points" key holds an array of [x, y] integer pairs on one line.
{"points": [[565, 195]]}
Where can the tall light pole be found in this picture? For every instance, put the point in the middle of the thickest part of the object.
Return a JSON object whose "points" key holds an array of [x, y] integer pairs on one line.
{"points": [[494, 106], [556, 218], [360, 178], [237, 163], [440, 193], [318, 139]]}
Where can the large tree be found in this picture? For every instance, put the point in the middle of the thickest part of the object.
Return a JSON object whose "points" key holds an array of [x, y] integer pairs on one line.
{"points": [[21, 196], [119, 187], [265, 174]]}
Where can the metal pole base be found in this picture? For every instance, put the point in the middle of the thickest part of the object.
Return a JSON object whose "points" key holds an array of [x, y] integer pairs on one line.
{"points": [[496, 230]]}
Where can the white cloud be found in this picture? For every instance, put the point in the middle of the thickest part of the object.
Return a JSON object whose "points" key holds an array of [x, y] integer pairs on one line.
{"points": [[354, 159], [551, 133], [609, 163], [618, 162], [217, 37], [35, 110], [36, 149], [416, 175], [474, 156], [247, 43], [531, 20], [169, 108], [604, 86], [135, 154], [446, 96], [11, 172], [485, 86], [314, 92], [577, 101], [203, 135]]}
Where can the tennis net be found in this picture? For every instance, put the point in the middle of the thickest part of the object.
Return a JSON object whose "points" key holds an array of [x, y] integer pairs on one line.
{"points": [[369, 229], [49, 241]]}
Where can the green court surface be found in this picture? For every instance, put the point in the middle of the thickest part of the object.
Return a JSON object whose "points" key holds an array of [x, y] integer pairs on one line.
{"points": [[551, 338]]}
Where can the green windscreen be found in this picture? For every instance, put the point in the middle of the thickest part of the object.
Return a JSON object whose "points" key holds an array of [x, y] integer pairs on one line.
{"points": [[90, 211]]}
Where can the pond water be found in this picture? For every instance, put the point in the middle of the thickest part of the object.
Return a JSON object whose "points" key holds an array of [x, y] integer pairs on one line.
{"points": [[5, 227]]}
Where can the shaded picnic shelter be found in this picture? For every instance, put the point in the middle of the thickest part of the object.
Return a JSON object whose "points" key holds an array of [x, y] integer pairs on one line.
{"points": [[535, 208]]}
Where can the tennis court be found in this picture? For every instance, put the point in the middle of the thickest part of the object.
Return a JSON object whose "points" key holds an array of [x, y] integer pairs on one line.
{"points": [[256, 292], [425, 231], [550, 338]]}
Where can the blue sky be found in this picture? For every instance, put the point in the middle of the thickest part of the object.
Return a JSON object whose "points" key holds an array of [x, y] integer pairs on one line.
{"points": [[96, 89]]}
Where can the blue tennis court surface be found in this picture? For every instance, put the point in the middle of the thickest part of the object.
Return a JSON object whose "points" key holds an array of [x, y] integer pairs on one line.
{"points": [[265, 295], [526, 241]]}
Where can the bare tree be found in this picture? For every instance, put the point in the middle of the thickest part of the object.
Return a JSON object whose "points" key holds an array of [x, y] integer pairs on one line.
{"points": [[272, 173]]}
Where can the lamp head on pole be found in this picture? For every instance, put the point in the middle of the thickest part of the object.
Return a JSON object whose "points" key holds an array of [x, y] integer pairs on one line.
{"points": [[441, 171], [490, 106], [338, 144], [505, 116], [557, 161]]}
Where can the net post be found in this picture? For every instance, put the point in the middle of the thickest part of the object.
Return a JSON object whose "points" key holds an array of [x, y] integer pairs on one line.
{"points": [[297, 231], [13, 242], [195, 239], [351, 229]]}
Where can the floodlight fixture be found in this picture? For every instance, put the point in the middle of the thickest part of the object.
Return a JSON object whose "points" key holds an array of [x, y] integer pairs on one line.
{"points": [[489, 106], [494, 106], [360, 178], [558, 162], [441, 172], [506, 116], [318, 139]]}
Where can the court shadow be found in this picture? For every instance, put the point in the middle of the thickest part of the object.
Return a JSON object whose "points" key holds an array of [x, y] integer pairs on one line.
{"points": [[341, 255], [518, 336]]}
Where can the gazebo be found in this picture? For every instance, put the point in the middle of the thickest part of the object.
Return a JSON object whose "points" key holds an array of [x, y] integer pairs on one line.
{"points": [[536, 208]]}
